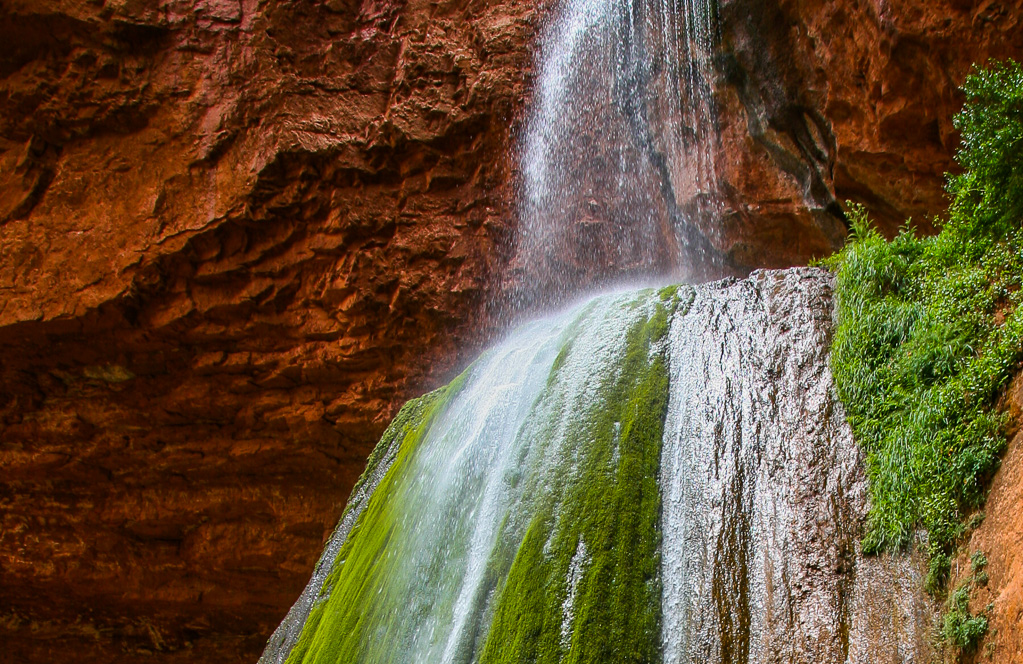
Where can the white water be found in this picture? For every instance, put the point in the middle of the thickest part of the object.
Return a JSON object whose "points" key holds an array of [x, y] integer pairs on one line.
{"points": [[494, 431], [752, 405], [761, 486], [762, 491], [576, 570], [620, 132], [473, 484], [764, 494]]}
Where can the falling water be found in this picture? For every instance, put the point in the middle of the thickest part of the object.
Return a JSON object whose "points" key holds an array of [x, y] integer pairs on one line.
{"points": [[617, 155], [494, 469], [648, 476]]}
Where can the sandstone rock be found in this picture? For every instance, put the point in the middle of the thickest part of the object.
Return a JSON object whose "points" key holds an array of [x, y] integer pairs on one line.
{"points": [[1000, 538], [849, 102], [236, 235]]}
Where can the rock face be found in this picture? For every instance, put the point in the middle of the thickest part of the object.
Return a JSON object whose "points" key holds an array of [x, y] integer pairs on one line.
{"points": [[1000, 539], [836, 101], [235, 235], [764, 492]]}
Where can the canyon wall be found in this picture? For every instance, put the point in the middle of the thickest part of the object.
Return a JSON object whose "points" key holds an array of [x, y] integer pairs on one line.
{"points": [[235, 237], [825, 102], [236, 234], [999, 537]]}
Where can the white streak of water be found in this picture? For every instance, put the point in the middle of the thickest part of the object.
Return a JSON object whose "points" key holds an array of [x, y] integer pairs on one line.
{"points": [[620, 133]]}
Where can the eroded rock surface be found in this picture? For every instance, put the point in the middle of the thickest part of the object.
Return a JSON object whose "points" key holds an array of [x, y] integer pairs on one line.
{"points": [[1000, 539], [235, 237], [764, 492], [836, 101]]}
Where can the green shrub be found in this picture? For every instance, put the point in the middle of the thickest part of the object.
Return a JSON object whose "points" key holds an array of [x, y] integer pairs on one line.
{"points": [[930, 332], [960, 628]]}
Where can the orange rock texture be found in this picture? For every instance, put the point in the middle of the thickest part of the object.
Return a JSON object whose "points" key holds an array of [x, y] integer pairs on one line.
{"points": [[1000, 538], [236, 234], [827, 101]]}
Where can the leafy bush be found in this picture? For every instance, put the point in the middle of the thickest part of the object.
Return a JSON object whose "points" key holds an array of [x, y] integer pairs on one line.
{"points": [[930, 331], [961, 628]]}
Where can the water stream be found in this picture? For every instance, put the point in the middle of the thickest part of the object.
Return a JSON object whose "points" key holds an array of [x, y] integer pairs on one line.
{"points": [[619, 130], [648, 476], [645, 476], [508, 453]]}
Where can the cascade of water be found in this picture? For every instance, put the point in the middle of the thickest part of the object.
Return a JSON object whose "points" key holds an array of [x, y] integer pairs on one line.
{"points": [[647, 477], [619, 133], [491, 479]]}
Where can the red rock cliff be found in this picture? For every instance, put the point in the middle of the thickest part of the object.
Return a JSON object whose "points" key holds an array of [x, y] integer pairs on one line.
{"points": [[236, 234], [826, 101], [235, 237]]}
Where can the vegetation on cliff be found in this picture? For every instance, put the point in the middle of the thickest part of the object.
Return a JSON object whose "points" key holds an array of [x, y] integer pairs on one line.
{"points": [[960, 627], [930, 330]]}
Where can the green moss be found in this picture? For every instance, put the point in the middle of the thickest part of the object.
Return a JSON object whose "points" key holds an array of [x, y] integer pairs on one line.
{"points": [[570, 334], [356, 577], [960, 627], [559, 362], [669, 293], [930, 331], [611, 504], [583, 487], [937, 572], [677, 298], [978, 566]]}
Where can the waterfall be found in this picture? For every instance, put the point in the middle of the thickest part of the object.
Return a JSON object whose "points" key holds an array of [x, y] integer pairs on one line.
{"points": [[492, 479], [620, 131], [648, 476]]}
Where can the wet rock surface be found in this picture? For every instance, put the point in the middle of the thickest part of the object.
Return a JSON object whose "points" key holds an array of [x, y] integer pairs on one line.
{"points": [[765, 494], [837, 101], [787, 112]]}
